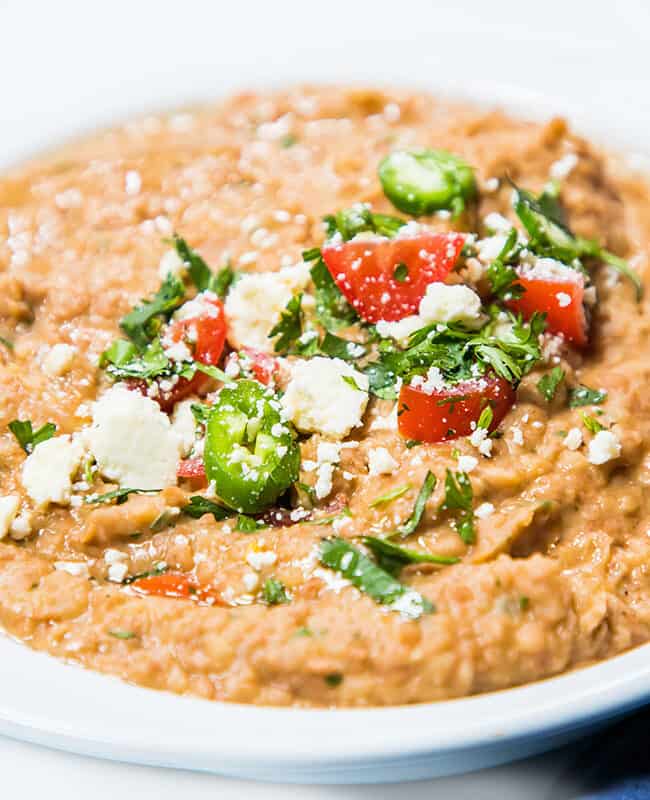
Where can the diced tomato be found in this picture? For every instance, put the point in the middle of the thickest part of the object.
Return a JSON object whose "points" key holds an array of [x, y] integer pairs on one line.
{"points": [[176, 584], [205, 335], [563, 303], [192, 469], [386, 278], [263, 367], [449, 413]]}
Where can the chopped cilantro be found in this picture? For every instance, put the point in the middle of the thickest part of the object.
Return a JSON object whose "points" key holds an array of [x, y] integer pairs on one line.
{"points": [[584, 396], [304, 632], [332, 309], [359, 219], [246, 524], [27, 437], [502, 276], [199, 272], [392, 557], [401, 272], [198, 506], [381, 586], [334, 679], [336, 347], [143, 323], [486, 417], [390, 496], [274, 592], [119, 495], [120, 634], [158, 569], [548, 384], [459, 497], [351, 382], [411, 524], [592, 424], [289, 327], [7, 343], [288, 141]]}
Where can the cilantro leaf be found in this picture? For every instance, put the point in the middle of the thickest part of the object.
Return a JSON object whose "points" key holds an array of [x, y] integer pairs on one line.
{"points": [[143, 323], [359, 219], [584, 396], [381, 586], [459, 497], [548, 384], [289, 327], [592, 424], [485, 418], [274, 592], [123, 360], [27, 437], [390, 496], [332, 309], [119, 495], [199, 505], [392, 557], [411, 524], [199, 272], [336, 347], [503, 278]]}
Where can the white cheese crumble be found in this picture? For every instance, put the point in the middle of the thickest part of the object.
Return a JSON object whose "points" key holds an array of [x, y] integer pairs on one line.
{"points": [[117, 572], [603, 447], [58, 359], [432, 382], [255, 303], [184, 425], [171, 264], [467, 463], [47, 472], [387, 423], [549, 269], [132, 440], [484, 510], [380, 462], [323, 485], [441, 303], [573, 439], [132, 182], [498, 223], [8, 508], [479, 438], [563, 299], [318, 399], [517, 435], [22, 526], [75, 568], [258, 559], [251, 581], [328, 452], [563, 167]]}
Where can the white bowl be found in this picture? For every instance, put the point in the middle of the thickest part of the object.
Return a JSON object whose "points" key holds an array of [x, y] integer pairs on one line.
{"points": [[96, 64]]}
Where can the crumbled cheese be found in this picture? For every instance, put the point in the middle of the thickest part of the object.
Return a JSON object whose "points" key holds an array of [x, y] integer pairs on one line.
{"points": [[251, 581], [387, 423], [517, 435], [432, 382], [323, 485], [380, 462], [603, 447], [255, 303], [184, 425], [467, 463], [441, 303], [202, 305], [549, 269], [47, 472], [75, 568], [563, 299], [328, 452], [171, 263], [563, 167], [491, 185], [319, 400], [132, 182], [484, 510], [258, 559], [117, 572], [22, 525], [132, 440], [58, 359], [8, 508], [573, 439], [480, 440], [497, 222], [490, 247]]}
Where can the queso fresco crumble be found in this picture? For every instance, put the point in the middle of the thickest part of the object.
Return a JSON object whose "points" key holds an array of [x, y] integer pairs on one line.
{"points": [[326, 397]]}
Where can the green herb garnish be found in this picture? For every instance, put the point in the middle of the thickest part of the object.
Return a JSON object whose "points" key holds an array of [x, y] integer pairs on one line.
{"points": [[27, 437], [120, 634], [401, 272], [548, 384], [381, 586], [199, 505], [334, 679], [246, 524], [584, 396], [289, 326], [459, 497], [359, 219], [486, 418], [411, 524], [274, 592], [592, 424], [332, 309], [119, 495], [390, 496], [143, 323], [392, 557]]}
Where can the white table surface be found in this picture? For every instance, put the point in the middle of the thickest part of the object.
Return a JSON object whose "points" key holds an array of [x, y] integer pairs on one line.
{"points": [[604, 50]]}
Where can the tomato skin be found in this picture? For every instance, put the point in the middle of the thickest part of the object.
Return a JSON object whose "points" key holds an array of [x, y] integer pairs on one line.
{"points": [[208, 334], [193, 469], [262, 366], [569, 320], [364, 271], [429, 418], [176, 585]]}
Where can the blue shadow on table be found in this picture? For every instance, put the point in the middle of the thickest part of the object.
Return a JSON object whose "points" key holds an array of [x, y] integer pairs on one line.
{"points": [[613, 765]]}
